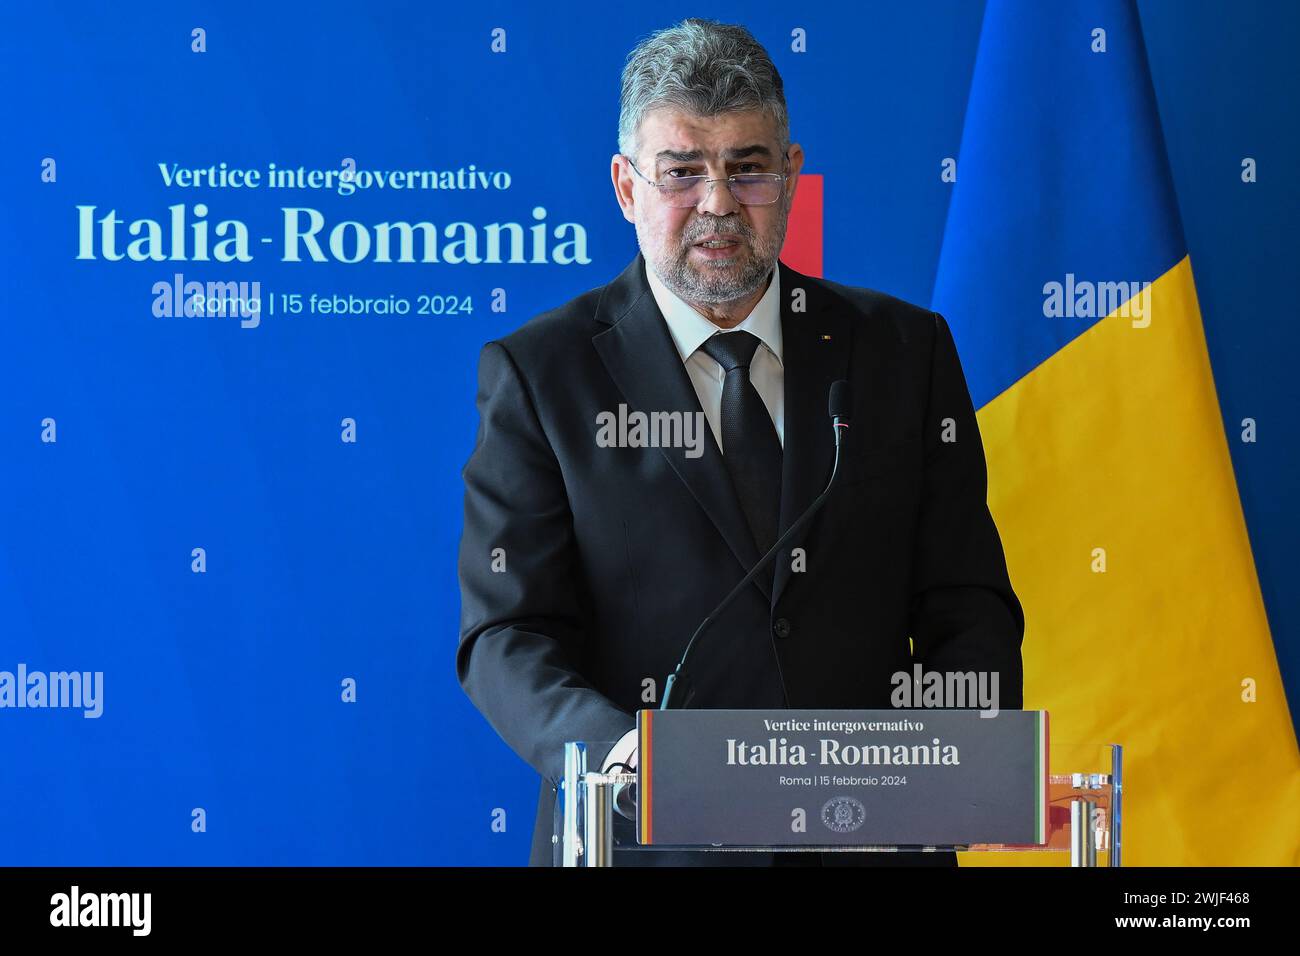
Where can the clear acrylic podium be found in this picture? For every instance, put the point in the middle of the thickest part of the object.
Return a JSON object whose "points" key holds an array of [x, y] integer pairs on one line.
{"points": [[1084, 815]]}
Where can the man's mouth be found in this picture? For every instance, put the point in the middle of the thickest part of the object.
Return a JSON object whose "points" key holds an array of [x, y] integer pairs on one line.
{"points": [[718, 247], [718, 242]]}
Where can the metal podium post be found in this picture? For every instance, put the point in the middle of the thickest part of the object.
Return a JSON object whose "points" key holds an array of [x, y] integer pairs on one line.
{"points": [[1086, 813], [1083, 839], [588, 835]]}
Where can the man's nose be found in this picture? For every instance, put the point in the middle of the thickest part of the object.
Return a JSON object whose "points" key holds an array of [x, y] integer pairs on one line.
{"points": [[719, 200]]}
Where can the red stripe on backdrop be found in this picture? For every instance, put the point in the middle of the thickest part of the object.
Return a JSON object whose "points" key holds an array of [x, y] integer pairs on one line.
{"points": [[803, 239]]}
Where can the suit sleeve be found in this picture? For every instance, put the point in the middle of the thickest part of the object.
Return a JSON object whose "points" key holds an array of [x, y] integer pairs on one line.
{"points": [[965, 616], [522, 624]]}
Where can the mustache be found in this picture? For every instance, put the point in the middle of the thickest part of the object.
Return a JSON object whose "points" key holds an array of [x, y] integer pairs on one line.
{"points": [[691, 240]]}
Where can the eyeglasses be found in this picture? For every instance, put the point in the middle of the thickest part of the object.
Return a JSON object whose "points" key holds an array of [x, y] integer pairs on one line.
{"points": [[749, 189]]}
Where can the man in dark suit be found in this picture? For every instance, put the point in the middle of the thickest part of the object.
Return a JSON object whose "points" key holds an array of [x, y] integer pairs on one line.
{"points": [[590, 554]]}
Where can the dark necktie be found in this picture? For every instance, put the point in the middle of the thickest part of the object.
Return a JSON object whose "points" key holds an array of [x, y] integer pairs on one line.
{"points": [[750, 445]]}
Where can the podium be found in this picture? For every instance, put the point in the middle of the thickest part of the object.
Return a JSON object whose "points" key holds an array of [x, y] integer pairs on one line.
{"points": [[852, 781]]}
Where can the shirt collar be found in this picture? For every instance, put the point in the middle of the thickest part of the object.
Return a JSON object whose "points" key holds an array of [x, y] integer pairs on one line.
{"points": [[689, 329]]}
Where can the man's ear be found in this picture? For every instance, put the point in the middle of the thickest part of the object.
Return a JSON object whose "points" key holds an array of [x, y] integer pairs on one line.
{"points": [[622, 176], [796, 164]]}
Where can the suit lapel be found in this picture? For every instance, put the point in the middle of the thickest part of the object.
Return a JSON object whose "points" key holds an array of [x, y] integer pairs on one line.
{"points": [[815, 352], [639, 354]]}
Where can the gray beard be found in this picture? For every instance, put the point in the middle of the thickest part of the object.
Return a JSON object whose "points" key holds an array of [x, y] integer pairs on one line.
{"points": [[712, 286], [692, 286]]}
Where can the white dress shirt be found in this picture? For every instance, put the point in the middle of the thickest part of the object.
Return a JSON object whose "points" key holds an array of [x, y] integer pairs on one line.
{"points": [[689, 329]]}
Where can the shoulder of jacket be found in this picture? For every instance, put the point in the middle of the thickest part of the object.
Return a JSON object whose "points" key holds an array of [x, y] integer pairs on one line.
{"points": [[909, 322], [554, 333]]}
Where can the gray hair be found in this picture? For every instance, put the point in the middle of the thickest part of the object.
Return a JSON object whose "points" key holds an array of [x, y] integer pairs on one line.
{"points": [[704, 68]]}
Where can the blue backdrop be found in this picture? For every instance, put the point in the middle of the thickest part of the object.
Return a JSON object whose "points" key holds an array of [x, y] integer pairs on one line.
{"points": [[328, 560]]}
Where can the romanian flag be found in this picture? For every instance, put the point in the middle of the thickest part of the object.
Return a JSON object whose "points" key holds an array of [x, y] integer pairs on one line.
{"points": [[1066, 281]]}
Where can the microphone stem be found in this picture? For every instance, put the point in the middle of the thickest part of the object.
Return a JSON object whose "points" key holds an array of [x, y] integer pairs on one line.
{"points": [[754, 571]]}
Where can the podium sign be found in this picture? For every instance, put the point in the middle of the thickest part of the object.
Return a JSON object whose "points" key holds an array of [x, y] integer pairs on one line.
{"points": [[841, 777]]}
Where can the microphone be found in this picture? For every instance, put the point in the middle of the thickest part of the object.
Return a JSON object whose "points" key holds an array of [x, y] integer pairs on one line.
{"points": [[839, 404]]}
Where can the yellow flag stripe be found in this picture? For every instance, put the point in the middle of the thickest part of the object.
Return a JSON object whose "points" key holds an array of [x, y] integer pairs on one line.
{"points": [[1112, 487]]}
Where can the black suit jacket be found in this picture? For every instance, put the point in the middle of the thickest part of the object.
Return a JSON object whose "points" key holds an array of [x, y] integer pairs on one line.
{"points": [[614, 555]]}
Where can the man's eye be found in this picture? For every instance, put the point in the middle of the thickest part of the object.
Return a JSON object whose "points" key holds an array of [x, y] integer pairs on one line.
{"points": [[744, 168]]}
